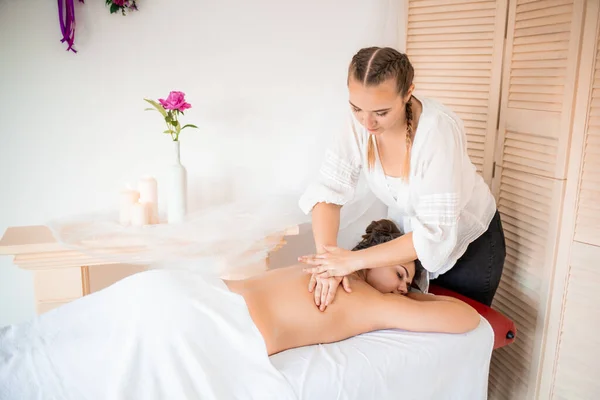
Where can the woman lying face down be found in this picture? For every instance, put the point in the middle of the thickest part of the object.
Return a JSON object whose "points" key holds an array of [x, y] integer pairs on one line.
{"points": [[387, 279], [396, 279], [286, 316]]}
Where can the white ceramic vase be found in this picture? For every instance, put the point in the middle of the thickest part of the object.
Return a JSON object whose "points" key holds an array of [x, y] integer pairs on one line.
{"points": [[177, 188]]}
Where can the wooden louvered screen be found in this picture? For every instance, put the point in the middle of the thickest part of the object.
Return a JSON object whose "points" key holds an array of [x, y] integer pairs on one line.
{"points": [[579, 357], [456, 48], [587, 229], [578, 361], [537, 98]]}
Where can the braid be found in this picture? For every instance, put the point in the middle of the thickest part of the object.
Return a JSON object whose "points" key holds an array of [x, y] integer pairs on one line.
{"points": [[361, 62], [387, 68], [371, 151], [409, 139]]}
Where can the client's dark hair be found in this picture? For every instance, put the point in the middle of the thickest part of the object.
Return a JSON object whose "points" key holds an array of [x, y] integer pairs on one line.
{"points": [[382, 231]]}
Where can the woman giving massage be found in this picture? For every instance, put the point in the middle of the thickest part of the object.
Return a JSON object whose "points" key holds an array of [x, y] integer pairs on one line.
{"points": [[413, 152], [182, 334]]}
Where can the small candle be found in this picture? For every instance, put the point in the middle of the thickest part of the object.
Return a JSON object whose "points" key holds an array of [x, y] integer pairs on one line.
{"points": [[149, 195], [139, 214], [129, 197]]}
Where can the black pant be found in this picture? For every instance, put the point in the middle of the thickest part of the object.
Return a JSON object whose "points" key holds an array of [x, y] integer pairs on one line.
{"points": [[477, 273]]}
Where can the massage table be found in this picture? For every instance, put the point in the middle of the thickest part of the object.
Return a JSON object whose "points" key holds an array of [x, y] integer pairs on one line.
{"points": [[387, 364], [179, 334]]}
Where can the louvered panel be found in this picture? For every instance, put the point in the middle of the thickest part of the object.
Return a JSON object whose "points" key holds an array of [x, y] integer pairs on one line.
{"points": [[465, 67], [506, 360], [466, 90], [533, 139], [437, 37], [574, 349], [540, 49], [449, 79], [541, 60], [476, 98], [579, 357], [552, 39], [449, 30], [472, 112], [558, 8], [528, 282], [475, 123], [481, 52], [502, 362], [519, 312], [459, 74], [530, 153], [524, 6], [476, 158], [587, 228], [458, 21], [456, 50], [504, 383], [478, 59], [441, 8], [526, 204], [420, 14], [452, 99]]}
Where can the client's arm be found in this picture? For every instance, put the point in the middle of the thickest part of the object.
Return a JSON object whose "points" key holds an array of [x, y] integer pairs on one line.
{"points": [[426, 313]]}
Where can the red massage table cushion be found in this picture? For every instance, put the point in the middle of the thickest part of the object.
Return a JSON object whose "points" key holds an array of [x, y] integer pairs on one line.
{"points": [[504, 328]]}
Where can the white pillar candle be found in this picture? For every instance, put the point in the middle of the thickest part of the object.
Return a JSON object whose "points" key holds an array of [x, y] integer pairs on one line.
{"points": [[149, 194], [129, 197], [139, 214]]}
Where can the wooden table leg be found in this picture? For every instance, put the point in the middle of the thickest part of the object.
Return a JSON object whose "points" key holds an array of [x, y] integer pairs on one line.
{"points": [[85, 280]]}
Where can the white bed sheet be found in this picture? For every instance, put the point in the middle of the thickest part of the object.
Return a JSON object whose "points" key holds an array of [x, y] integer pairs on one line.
{"points": [[392, 365], [156, 335], [175, 335]]}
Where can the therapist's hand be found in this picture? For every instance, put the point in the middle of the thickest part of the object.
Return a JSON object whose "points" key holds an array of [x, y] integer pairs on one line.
{"points": [[324, 289], [334, 262]]}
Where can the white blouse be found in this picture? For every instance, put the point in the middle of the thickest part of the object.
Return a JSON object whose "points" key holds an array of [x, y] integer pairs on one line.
{"points": [[445, 203]]}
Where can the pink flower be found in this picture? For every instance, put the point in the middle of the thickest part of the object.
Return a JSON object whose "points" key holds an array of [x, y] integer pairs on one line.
{"points": [[119, 2], [175, 101]]}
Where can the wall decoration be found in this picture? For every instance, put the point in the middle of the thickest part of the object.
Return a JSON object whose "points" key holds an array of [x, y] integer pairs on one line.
{"points": [[121, 5], [66, 17]]}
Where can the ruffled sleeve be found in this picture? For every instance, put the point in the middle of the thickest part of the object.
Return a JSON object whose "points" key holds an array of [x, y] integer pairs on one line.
{"points": [[339, 173], [438, 198]]}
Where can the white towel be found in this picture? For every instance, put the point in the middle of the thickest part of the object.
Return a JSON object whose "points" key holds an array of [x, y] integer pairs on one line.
{"points": [[161, 334]]}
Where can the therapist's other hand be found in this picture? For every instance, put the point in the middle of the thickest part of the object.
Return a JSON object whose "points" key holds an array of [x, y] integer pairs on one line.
{"points": [[324, 289], [334, 262]]}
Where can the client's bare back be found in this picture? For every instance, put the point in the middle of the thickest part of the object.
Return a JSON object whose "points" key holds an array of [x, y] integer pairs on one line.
{"points": [[285, 313]]}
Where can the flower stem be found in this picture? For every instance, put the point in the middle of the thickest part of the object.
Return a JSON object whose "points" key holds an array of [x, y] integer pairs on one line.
{"points": [[169, 129]]}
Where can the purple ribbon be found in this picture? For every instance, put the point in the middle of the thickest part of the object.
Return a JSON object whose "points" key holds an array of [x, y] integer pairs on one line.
{"points": [[66, 16]]}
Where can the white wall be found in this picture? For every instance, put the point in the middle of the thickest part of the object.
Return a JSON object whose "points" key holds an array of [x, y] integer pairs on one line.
{"points": [[264, 78]]}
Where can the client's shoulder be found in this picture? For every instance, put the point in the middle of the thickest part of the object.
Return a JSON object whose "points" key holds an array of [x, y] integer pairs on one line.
{"points": [[358, 282]]}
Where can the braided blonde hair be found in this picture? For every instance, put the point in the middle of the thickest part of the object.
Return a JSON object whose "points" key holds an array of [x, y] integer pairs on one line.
{"points": [[374, 65]]}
